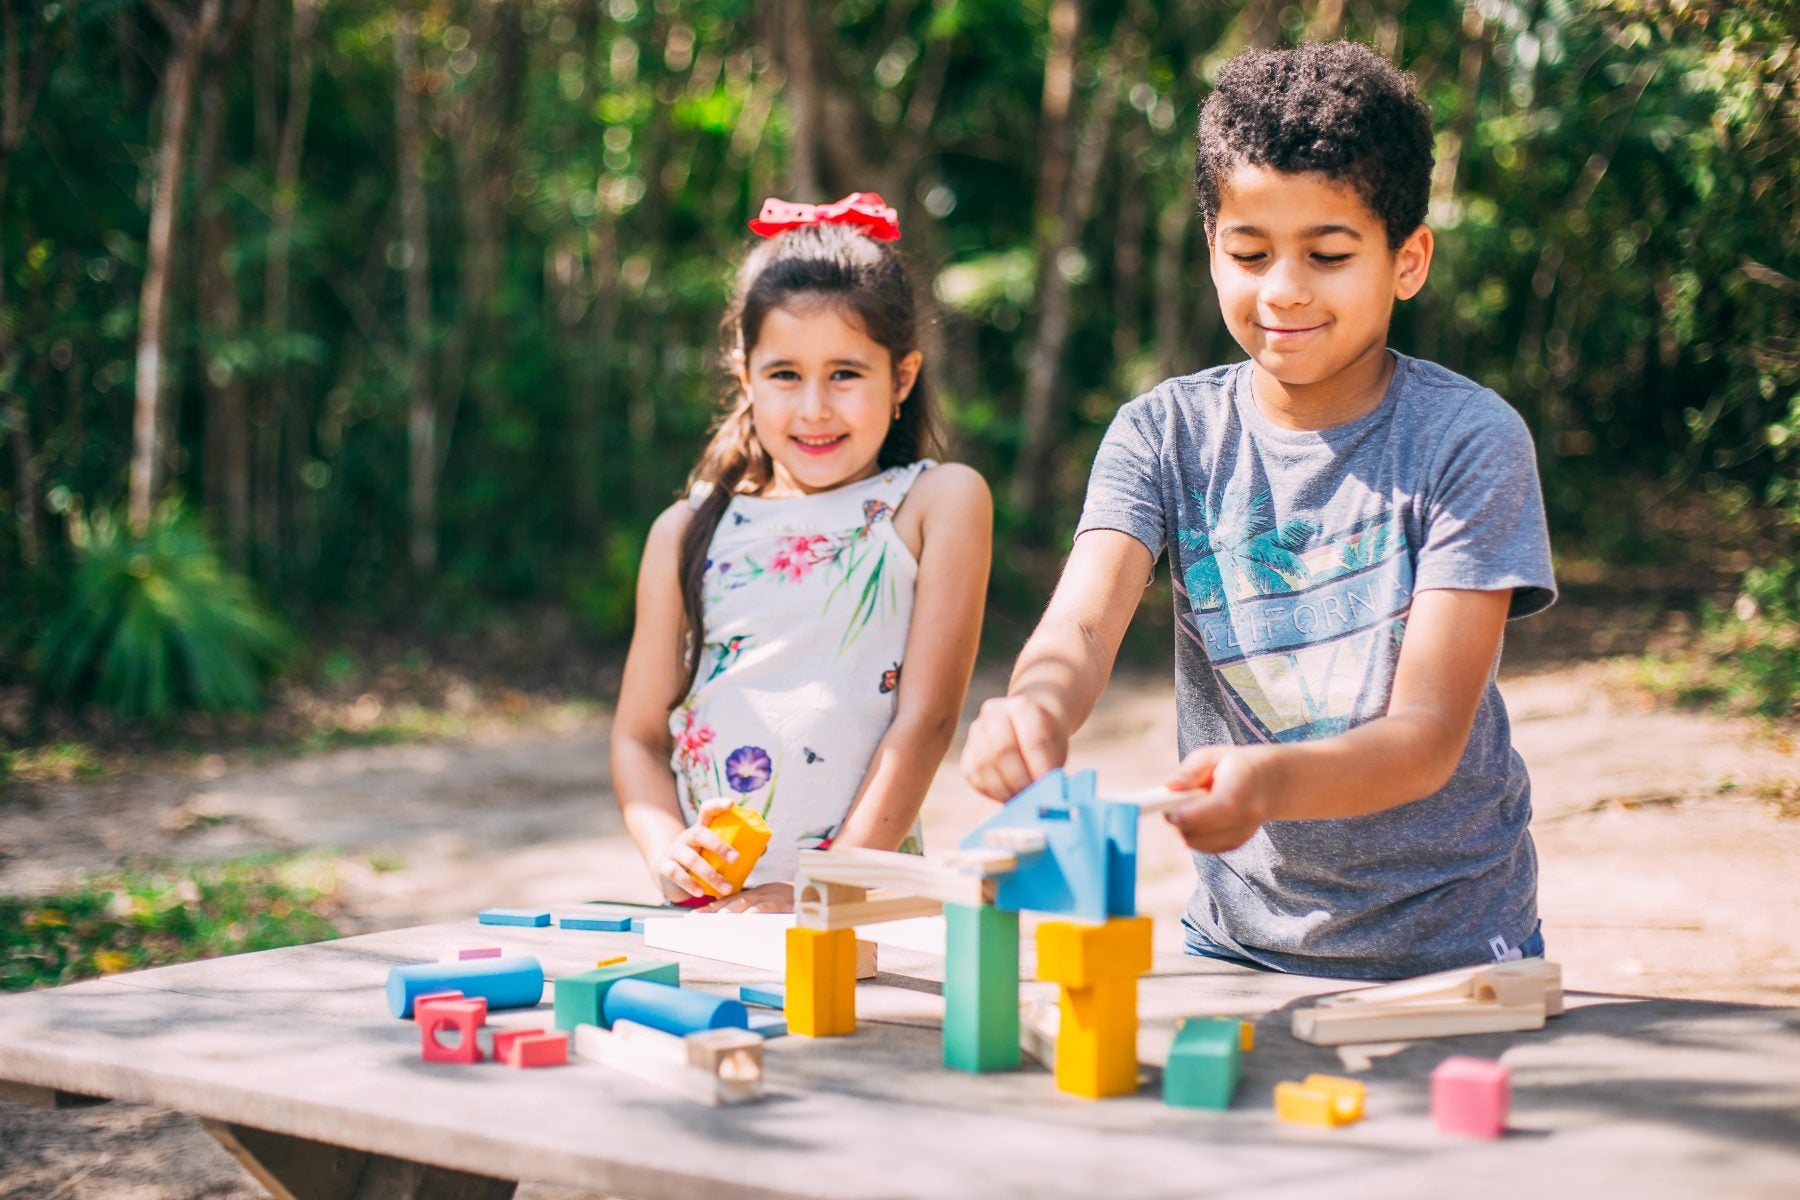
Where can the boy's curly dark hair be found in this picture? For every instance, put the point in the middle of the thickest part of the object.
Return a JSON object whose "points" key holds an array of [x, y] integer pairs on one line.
{"points": [[1336, 108]]}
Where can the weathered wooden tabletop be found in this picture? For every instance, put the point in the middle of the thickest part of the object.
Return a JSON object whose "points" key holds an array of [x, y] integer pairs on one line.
{"points": [[1670, 1098]]}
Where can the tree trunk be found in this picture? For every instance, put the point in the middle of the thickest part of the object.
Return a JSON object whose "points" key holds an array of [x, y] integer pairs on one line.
{"points": [[799, 55], [1171, 285], [1042, 416], [188, 41], [422, 422], [1128, 247], [1053, 120]]}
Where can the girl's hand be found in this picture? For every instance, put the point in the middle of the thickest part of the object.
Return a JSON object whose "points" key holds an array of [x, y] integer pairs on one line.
{"points": [[764, 898], [680, 869], [1014, 741], [1235, 798]]}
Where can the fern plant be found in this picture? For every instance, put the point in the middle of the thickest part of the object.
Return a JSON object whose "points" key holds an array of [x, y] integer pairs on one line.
{"points": [[156, 624]]}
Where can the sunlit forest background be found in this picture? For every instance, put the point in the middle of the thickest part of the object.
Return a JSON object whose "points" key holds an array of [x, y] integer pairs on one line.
{"points": [[334, 331]]}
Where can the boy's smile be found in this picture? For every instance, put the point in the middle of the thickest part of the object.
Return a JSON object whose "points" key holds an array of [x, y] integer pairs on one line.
{"points": [[1307, 285]]}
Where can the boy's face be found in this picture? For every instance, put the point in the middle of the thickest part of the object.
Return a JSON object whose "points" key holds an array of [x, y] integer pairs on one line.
{"points": [[1305, 278]]}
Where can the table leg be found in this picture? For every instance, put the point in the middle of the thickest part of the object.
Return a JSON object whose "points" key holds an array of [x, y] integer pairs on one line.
{"points": [[297, 1169], [45, 1097]]}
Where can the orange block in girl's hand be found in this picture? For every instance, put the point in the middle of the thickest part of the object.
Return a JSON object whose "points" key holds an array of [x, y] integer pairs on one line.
{"points": [[745, 832]]}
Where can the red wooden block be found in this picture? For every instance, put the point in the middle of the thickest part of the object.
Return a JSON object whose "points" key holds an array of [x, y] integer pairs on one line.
{"points": [[536, 1049], [430, 996], [438, 1016], [1471, 1097]]}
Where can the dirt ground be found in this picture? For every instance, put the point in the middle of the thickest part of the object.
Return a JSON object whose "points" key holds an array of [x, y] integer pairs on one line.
{"points": [[1666, 870]]}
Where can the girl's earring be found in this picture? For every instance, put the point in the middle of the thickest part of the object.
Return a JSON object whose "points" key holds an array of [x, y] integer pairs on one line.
{"points": [[896, 410]]}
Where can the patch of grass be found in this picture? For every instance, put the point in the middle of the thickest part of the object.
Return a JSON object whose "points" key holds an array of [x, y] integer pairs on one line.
{"points": [[146, 917], [1744, 661], [54, 763]]}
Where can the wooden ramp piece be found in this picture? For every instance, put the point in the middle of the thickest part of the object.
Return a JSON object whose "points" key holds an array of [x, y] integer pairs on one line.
{"points": [[1496, 998]]}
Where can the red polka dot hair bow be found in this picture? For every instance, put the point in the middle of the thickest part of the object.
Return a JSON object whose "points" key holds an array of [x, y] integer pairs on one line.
{"points": [[865, 210]]}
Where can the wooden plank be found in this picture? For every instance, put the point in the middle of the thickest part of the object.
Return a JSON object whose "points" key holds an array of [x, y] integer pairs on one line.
{"points": [[885, 869], [664, 1063], [881, 905], [46, 1097], [292, 1168], [1342, 1026]]}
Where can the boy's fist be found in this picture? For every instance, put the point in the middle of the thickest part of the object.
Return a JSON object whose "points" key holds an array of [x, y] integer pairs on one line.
{"points": [[1013, 742], [1234, 797]]}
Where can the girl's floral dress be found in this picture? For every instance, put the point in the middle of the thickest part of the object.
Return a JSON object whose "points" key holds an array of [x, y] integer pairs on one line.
{"points": [[808, 602]]}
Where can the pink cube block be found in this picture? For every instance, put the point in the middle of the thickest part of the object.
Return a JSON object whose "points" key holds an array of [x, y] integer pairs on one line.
{"points": [[1471, 1097]]}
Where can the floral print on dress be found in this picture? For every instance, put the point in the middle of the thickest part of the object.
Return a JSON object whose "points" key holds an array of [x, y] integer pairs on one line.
{"points": [[859, 561]]}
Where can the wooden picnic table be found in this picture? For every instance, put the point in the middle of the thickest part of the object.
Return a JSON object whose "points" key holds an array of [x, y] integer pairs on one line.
{"points": [[292, 1060]]}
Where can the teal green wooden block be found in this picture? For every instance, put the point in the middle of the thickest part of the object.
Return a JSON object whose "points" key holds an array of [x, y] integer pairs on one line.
{"points": [[581, 999], [981, 988], [1205, 1063]]}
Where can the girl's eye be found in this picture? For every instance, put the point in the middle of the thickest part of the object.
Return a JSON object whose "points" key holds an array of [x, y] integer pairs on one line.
{"points": [[1331, 260], [1248, 260], [784, 374]]}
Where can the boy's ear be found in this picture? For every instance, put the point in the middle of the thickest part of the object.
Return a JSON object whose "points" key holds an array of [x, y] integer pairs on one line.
{"points": [[1412, 263]]}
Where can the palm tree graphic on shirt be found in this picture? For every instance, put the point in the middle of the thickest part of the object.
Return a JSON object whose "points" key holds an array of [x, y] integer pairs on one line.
{"points": [[1241, 550]]}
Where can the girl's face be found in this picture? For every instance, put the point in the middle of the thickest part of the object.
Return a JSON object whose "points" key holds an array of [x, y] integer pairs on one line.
{"points": [[822, 395]]}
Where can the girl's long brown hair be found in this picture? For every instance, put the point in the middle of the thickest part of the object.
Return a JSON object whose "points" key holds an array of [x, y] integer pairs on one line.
{"points": [[830, 265]]}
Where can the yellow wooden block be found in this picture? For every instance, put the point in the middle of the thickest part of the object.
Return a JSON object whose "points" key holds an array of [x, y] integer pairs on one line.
{"points": [[1096, 1039], [1247, 1036], [1323, 1100], [744, 831], [607, 962], [1078, 955], [821, 982]]}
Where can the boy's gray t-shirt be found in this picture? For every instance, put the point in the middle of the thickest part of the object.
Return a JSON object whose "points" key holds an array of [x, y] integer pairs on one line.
{"points": [[1294, 557]]}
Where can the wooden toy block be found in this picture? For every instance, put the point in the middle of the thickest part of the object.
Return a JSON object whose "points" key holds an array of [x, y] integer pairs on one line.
{"points": [[514, 916], [744, 831], [983, 860], [1096, 1039], [1079, 955], [537, 1048], [461, 1017], [637, 924], [748, 939], [427, 997], [821, 982], [768, 1025], [1471, 1097], [614, 961], [581, 999], [1248, 1035], [661, 1060], [467, 950], [767, 997], [1324, 1100], [981, 988], [728, 1053], [672, 1009], [511, 982], [1495, 998], [596, 924], [1019, 840], [896, 875], [1205, 1063]]}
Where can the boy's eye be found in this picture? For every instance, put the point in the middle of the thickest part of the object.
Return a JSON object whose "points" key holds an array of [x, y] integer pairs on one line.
{"points": [[1331, 260], [1249, 260], [843, 373]]}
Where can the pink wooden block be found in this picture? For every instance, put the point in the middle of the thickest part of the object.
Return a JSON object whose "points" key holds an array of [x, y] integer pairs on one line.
{"points": [[537, 1049], [463, 1016], [1471, 1096], [428, 997], [465, 951]]}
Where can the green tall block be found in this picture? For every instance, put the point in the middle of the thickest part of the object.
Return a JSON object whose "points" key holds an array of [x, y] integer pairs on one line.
{"points": [[1205, 1063], [581, 999], [981, 988]]}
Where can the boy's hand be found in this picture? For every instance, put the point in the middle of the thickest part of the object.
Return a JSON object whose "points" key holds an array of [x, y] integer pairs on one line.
{"points": [[1233, 800], [764, 898], [1013, 742], [680, 869]]}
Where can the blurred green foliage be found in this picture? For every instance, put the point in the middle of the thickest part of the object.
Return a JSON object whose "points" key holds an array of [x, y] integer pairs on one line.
{"points": [[1618, 256], [154, 624], [148, 917]]}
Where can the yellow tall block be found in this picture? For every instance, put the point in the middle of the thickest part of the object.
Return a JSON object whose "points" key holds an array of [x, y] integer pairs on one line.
{"points": [[744, 831], [1078, 955], [821, 982], [1096, 1040]]}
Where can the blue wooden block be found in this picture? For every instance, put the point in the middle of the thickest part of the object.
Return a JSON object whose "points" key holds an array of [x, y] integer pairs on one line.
{"points": [[764, 996], [637, 924], [768, 1025], [1088, 864], [515, 982], [675, 1010], [1121, 858], [597, 924], [581, 999], [514, 916]]}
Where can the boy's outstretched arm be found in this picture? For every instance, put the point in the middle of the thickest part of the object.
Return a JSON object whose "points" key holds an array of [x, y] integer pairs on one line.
{"points": [[1404, 755], [1062, 669]]}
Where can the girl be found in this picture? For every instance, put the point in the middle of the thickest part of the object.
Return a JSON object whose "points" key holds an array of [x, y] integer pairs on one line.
{"points": [[807, 616]]}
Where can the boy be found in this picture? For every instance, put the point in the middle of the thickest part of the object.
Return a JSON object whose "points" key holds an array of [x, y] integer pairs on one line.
{"points": [[1348, 531]]}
